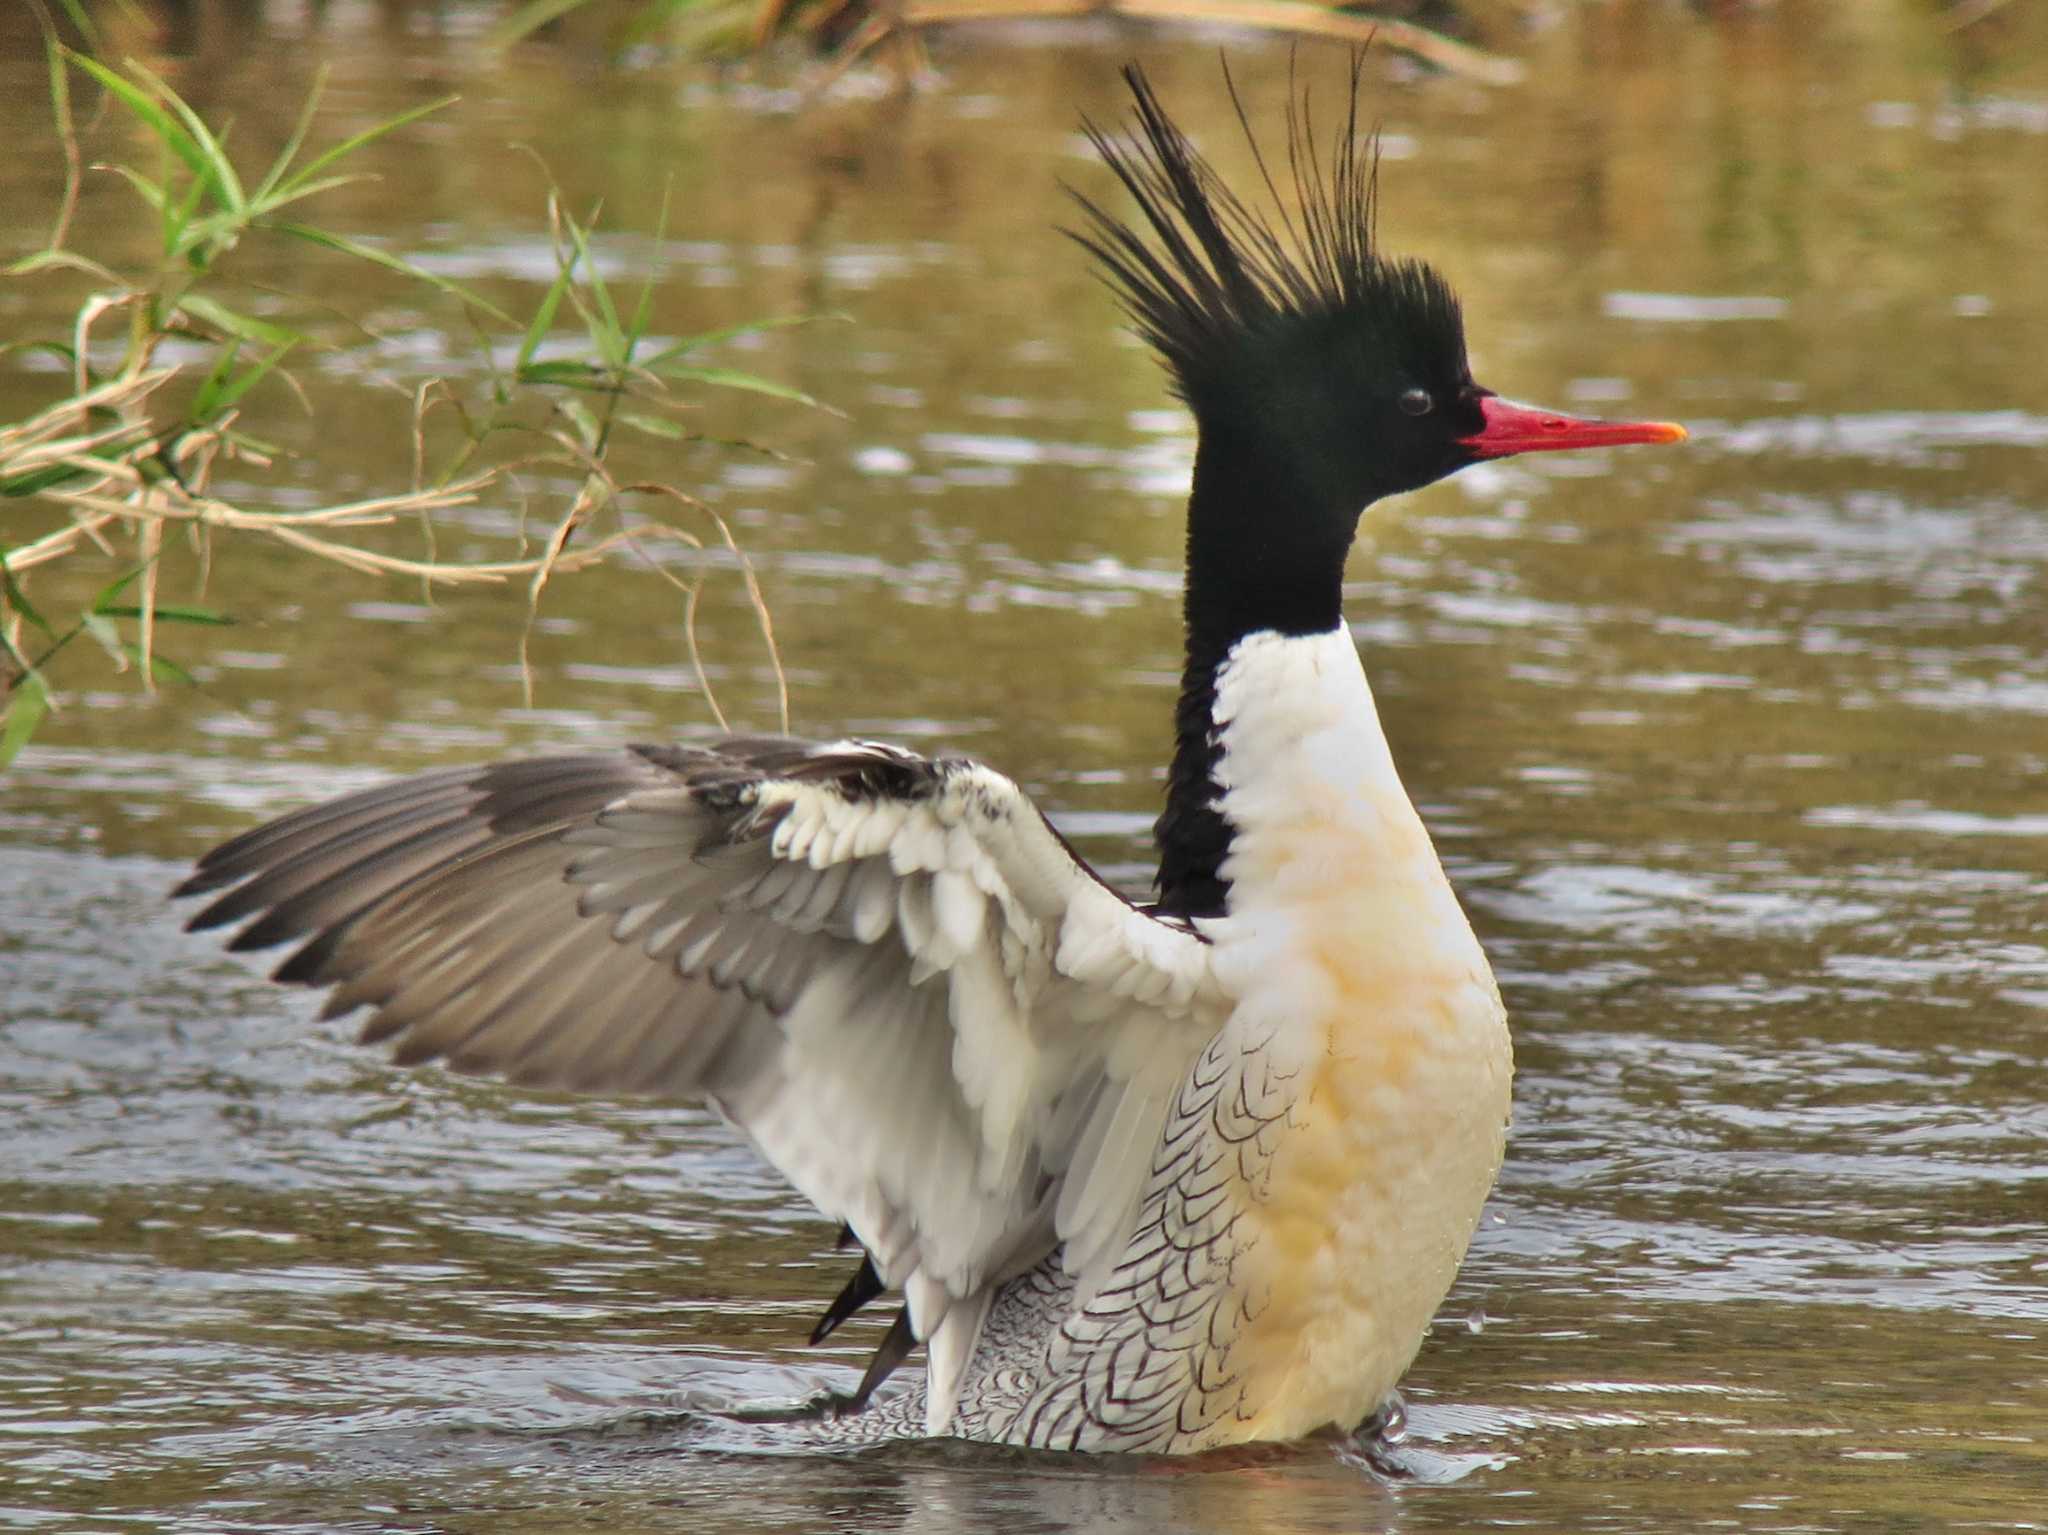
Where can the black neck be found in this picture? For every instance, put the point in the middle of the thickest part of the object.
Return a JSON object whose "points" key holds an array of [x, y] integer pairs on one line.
{"points": [[1254, 564]]}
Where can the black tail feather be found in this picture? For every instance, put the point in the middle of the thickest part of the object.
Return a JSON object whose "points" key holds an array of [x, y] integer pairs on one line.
{"points": [[863, 1287], [894, 1349]]}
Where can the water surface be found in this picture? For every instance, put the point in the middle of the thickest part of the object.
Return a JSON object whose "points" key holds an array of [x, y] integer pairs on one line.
{"points": [[1738, 755]]}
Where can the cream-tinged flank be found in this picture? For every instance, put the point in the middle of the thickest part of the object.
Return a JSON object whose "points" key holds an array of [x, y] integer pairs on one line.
{"points": [[1317, 1174], [1359, 982]]}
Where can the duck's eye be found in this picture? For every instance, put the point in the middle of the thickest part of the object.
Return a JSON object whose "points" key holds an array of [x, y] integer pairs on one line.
{"points": [[1416, 402]]}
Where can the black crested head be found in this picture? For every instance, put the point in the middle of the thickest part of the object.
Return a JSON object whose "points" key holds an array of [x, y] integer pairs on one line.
{"points": [[1322, 377], [1287, 333]]}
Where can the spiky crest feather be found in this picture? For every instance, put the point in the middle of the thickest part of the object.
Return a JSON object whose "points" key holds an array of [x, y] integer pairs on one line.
{"points": [[1218, 273]]}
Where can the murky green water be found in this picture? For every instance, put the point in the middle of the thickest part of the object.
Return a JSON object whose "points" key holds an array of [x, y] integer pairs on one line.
{"points": [[1738, 753]]}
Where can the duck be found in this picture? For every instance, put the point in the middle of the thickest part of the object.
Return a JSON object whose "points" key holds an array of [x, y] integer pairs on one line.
{"points": [[1149, 1175]]}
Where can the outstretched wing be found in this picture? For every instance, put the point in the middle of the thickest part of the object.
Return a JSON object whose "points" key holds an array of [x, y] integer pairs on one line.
{"points": [[890, 972]]}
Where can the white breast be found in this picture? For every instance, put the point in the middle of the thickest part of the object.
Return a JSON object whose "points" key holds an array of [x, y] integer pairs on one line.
{"points": [[1359, 983]]}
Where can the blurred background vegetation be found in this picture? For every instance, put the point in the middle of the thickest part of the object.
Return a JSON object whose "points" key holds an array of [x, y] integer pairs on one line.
{"points": [[161, 358], [202, 243], [1734, 752]]}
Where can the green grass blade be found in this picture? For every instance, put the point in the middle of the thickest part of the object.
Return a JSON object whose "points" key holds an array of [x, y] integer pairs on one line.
{"points": [[697, 343], [106, 633], [178, 224], [59, 258], [544, 317], [527, 20], [34, 482], [26, 706], [369, 253], [643, 311], [654, 17], [235, 323], [565, 370], [294, 143], [204, 399], [733, 378], [161, 668], [149, 191], [250, 377], [173, 613], [155, 118], [653, 426], [586, 424], [219, 168], [348, 146], [60, 110], [81, 18], [606, 334], [18, 600], [297, 193], [61, 350], [115, 587], [205, 238]]}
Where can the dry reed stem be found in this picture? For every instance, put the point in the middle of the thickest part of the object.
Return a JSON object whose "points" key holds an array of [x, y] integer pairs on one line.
{"points": [[553, 554], [123, 492], [121, 495], [114, 395], [152, 542], [1970, 12], [1297, 16], [67, 135], [755, 599]]}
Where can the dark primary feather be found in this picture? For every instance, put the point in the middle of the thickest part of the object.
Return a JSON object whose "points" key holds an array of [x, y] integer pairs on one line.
{"points": [[446, 904]]}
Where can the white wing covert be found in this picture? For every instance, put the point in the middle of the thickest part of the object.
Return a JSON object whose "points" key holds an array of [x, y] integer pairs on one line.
{"points": [[889, 971]]}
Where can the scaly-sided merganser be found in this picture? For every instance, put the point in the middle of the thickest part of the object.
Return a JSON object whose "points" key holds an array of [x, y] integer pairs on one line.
{"points": [[1149, 1177]]}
